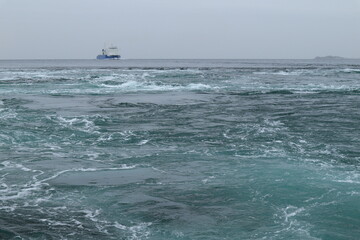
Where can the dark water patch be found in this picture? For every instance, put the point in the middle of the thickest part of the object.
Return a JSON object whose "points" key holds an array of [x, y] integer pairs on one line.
{"points": [[340, 92], [31, 224], [112, 83], [7, 234], [14, 103], [113, 104], [280, 92], [245, 93]]}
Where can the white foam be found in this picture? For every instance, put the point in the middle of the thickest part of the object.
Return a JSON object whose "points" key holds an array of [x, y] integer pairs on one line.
{"points": [[127, 135], [198, 86], [206, 180], [178, 234], [105, 138], [8, 208], [55, 223], [122, 167], [81, 123], [52, 147], [283, 73], [92, 214], [133, 86], [22, 191], [7, 114], [350, 70], [225, 134], [120, 226], [143, 142], [139, 231], [273, 123], [291, 211], [353, 193], [8, 164], [295, 72], [348, 181], [129, 85], [144, 76]]}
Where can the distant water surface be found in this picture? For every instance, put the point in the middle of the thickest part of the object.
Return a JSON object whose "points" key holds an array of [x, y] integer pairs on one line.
{"points": [[179, 149]]}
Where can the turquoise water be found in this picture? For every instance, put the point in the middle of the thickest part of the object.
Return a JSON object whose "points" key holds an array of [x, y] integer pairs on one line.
{"points": [[180, 149]]}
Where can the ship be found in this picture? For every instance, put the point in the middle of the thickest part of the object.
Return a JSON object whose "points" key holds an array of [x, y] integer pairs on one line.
{"points": [[111, 52]]}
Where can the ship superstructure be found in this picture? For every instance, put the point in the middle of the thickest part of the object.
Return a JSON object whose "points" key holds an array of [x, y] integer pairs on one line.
{"points": [[111, 52]]}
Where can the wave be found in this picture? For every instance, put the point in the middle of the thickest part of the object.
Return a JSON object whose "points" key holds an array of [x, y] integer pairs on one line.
{"points": [[350, 70], [242, 81], [136, 86], [284, 72], [307, 71], [293, 91]]}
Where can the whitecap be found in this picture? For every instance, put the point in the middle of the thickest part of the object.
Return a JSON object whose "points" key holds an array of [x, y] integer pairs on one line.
{"points": [[134, 86], [348, 181], [82, 123], [198, 86], [7, 114], [291, 211], [206, 180], [139, 231], [143, 142], [120, 226], [350, 70]]}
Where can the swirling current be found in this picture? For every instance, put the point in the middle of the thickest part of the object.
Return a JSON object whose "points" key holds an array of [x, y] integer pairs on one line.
{"points": [[179, 149]]}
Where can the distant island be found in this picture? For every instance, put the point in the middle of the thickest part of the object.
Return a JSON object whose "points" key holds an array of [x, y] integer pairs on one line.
{"points": [[329, 58]]}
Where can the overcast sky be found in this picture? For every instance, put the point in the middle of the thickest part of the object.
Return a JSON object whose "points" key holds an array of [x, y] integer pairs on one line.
{"points": [[78, 29]]}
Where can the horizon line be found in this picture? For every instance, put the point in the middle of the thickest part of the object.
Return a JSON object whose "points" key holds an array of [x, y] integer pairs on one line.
{"points": [[314, 58]]}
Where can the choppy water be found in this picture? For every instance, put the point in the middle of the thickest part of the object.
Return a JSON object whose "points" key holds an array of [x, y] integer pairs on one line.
{"points": [[180, 149]]}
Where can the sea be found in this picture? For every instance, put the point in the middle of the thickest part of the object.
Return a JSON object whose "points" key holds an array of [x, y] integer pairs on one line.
{"points": [[180, 149]]}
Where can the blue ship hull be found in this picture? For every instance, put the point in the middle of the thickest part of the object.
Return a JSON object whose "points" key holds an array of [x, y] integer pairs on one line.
{"points": [[108, 57]]}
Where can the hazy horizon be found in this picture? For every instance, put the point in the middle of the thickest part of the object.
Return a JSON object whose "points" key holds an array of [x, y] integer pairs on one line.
{"points": [[159, 29], [124, 58]]}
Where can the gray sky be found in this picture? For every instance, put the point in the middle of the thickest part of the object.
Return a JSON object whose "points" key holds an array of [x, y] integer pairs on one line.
{"points": [[41, 29]]}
